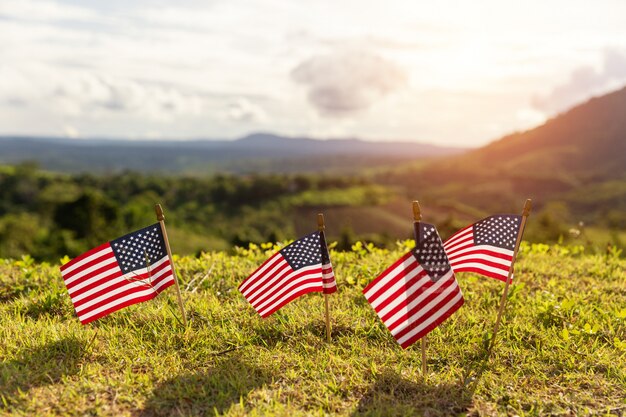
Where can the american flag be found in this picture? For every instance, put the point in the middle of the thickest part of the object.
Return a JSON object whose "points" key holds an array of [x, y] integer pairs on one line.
{"points": [[485, 247], [297, 269], [119, 273], [418, 292]]}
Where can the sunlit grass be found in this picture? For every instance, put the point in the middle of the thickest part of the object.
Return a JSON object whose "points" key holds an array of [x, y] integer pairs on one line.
{"points": [[561, 351]]}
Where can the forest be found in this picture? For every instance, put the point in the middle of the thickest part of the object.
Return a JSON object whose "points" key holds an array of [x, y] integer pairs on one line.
{"points": [[49, 215]]}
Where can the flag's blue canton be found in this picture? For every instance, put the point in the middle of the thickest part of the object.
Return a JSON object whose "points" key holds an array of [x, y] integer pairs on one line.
{"points": [[303, 252], [132, 250], [500, 230], [325, 255], [429, 251]]}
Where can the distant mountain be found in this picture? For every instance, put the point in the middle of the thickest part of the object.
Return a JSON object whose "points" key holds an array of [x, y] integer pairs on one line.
{"points": [[261, 152]]}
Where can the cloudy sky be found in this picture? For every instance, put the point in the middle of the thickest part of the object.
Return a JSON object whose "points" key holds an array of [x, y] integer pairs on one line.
{"points": [[445, 72]]}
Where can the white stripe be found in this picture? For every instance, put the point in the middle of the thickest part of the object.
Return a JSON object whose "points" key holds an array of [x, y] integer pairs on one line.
{"points": [[130, 284], [110, 262], [286, 281], [282, 299], [398, 269], [113, 269], [122, 278], [479, 265], [258, 279], [403, 296], [395, 287], [108, 272], [495, 249], [452, 249], [124, 299], [486, 258], [328, 275], [277, 278], [87, 259], [461, 236], [116, 302], [431, 318], [403, 314], [252, 278]]}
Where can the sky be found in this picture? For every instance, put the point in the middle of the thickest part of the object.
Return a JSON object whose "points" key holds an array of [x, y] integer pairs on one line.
{"points": [[445, 72]]}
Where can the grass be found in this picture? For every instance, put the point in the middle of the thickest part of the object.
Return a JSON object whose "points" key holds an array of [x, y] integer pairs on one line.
{"points": [[561, 349]]}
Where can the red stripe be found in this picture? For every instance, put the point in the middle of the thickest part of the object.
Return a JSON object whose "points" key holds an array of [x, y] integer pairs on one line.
{"points": [[483, 272], [483, 262], [103, 269], [291, 298], [451, 249], [271, 258], [272, 301], [482, 252], [275, 278], [405, 289], [433, 325], [119, 284], [164, 287], [330, 290], [421, 304], [267, 276], [387, 271], [436, 308], [457, 233], [114, 274], [118, 307], [108, 300], [393, 279], [89, 264], [279, 290], [85, 255]]}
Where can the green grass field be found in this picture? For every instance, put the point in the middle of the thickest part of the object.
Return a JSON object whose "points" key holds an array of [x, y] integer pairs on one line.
{"points": [[561, 349]]}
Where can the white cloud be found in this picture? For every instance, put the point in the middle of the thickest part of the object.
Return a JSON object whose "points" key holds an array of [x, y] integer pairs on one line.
{"points": [[89, 95], [441, 71], [242, 110], [347, 81], [584, 82], [530, 117], [44, 11], [70, 131]]}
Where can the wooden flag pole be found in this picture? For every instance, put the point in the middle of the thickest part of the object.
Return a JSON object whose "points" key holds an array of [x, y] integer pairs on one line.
{"points": [[527, 207], [321, 226], [161, 218], [417, 216]]}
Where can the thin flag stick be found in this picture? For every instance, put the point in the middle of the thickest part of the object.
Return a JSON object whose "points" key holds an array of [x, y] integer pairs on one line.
{"points": [[321, 226], [161, 218], [417, 216], [527, 207]]}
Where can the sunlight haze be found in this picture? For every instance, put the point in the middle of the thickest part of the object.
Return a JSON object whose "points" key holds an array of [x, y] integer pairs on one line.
{"points": [[450, 72]]}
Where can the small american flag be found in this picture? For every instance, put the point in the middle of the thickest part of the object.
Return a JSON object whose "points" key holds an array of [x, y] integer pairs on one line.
{"points": [[297, 269], [418, 292], [119, 273], [485, 247]]}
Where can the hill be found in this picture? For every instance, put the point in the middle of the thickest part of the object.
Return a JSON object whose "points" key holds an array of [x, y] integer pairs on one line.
{"points": [[585, 144], [573, 166], [255, 153]]}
